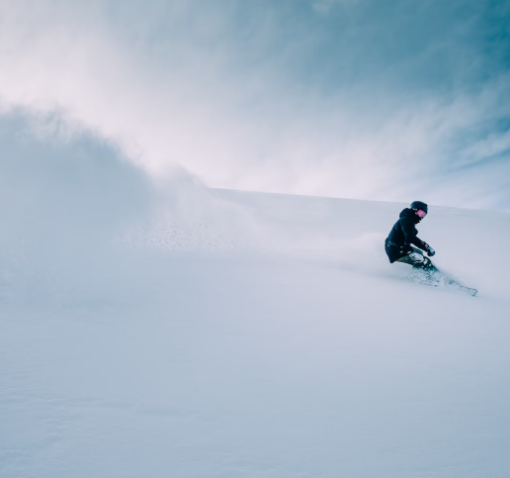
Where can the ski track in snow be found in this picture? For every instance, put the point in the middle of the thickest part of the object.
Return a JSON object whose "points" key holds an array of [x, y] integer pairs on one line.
{"points": [[261, 336]]}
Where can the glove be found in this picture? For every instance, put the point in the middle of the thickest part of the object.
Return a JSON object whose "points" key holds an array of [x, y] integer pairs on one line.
{"points": [[429, 250]]}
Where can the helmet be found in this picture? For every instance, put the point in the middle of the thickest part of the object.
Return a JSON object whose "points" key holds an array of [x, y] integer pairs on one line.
{"points": [[419, 205]]}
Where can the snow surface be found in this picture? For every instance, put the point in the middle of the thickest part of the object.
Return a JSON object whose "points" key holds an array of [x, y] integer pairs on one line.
{"points": [[193, 333]]}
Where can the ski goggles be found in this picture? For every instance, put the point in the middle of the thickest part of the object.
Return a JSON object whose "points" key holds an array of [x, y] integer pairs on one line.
{"points": [[421, 213]]}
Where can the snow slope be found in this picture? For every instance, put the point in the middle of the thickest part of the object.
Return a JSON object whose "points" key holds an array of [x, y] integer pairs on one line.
{"points": [[241, 335]]}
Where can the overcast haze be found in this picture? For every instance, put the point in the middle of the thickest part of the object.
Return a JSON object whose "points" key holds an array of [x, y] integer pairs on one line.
{"points": [[391, 100]]}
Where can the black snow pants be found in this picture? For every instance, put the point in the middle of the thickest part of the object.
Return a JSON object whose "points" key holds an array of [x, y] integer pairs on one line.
{"points": [[418, 260]]}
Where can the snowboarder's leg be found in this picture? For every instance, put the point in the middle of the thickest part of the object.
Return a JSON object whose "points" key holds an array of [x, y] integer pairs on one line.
{"points": [[416, 258], [433, 276]]}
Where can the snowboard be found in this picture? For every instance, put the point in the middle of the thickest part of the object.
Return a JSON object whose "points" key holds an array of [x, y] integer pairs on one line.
{"points": [[462, 288], [436, 278]]}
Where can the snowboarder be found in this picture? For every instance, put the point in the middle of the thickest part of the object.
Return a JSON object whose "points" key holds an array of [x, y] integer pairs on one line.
{"points": [[400, 247], [403, 237]]}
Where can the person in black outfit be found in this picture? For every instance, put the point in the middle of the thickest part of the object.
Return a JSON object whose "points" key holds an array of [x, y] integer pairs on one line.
{"points": [[401, 242]]}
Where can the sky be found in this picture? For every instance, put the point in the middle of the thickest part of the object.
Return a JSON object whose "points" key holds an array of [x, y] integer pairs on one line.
{"points": [[391, 101]]}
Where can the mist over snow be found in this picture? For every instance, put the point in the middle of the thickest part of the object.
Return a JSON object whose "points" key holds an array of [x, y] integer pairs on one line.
{"points": [[161, 328], [74, 209]]}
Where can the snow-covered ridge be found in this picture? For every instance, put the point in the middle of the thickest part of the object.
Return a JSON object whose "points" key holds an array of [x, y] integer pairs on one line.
{"points": [[207, 333]]}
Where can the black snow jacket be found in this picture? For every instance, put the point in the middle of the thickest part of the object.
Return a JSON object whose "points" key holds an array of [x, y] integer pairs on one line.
{"points": [[402, 235]]}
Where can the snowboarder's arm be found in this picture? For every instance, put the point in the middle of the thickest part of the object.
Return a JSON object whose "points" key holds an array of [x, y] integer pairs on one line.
{"points": [[410, 234], [430, 251]]}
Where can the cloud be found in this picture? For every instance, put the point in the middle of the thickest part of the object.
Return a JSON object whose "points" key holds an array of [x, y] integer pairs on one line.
{"points": [[370, 101], [325, 6]]}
